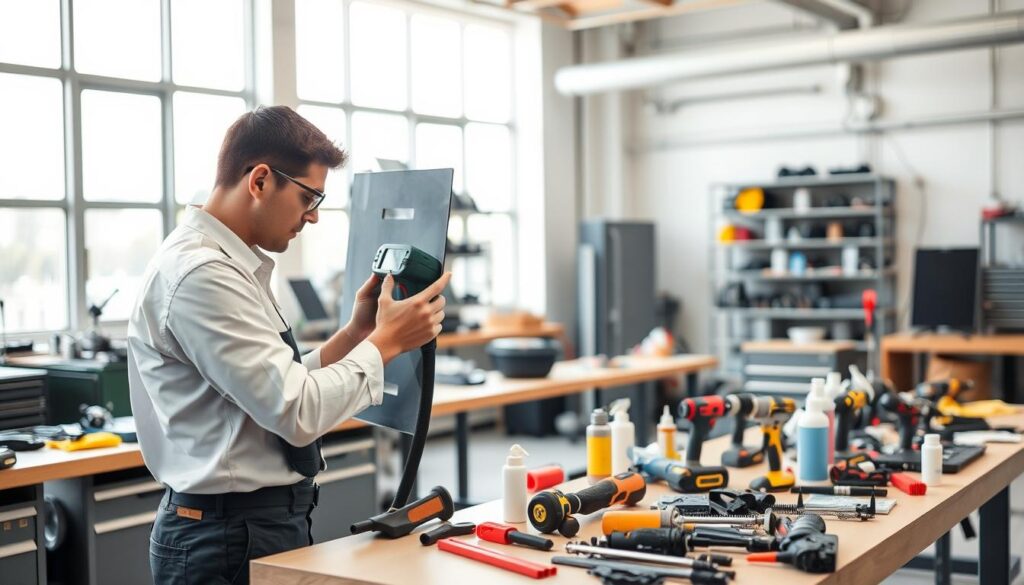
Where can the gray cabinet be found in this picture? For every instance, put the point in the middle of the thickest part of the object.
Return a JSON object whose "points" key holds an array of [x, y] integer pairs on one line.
{"points": [[348, 487], [780, 368], [22, 555]]}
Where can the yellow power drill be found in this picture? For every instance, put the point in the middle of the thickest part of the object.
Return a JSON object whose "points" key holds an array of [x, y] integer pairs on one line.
{"points": [[773, 412]]}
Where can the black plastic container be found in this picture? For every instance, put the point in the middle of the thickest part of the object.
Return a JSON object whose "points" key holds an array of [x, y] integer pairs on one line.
{"points": [[523, 357]]}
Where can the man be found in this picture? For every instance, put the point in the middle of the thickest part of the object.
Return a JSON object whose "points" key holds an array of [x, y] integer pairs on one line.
{"points": [[228, 417]]}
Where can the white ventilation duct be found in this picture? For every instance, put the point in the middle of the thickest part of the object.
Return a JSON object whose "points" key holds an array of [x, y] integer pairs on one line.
{"points": [[860, 45]]}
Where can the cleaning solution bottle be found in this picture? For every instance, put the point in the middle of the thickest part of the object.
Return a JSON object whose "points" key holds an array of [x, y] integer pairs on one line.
{"points": [[819, 395], [513, 495], [667, 435], [599, 446], [931, 460], [812, 437], [623, 436]]}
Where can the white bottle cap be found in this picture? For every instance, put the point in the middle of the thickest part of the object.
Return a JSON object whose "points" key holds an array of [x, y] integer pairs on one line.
{"points": [[666, 417], [932, 439], [816, 399], [620, 410], [515, 455], [834, 382]]}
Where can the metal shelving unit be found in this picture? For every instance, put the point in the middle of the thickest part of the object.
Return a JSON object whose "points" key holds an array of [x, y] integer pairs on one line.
{"points": [[868, 198]]}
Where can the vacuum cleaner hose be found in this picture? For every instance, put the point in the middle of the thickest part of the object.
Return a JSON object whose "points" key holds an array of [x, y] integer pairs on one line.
{"points": [[419, 437]]}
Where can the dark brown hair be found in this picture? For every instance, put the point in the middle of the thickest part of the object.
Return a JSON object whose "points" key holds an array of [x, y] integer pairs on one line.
{"points": [[279, 137]]}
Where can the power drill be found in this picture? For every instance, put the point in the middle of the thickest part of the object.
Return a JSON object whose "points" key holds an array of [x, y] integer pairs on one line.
{"points": [[678, 476], [936, 389], [552, 510], [773, 412], [907, 413], [412, 268], [848, 406], [702, 412], [741, 407], [805, 546]]}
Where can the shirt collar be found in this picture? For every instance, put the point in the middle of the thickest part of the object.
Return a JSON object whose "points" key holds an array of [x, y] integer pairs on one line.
{"points": [[250, 257]]}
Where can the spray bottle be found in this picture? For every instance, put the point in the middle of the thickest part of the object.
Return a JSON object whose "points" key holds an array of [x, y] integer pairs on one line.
{"points": [[599, 446], [513, 496], [812, 437], [623, 436], [667, 435], [819, 393]]}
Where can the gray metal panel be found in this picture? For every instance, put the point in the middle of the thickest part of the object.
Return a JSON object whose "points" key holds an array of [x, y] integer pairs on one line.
{"points": [[427, 192]]}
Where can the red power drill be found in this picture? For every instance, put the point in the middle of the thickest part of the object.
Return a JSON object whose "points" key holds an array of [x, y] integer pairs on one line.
{"points": [[702, 412]]}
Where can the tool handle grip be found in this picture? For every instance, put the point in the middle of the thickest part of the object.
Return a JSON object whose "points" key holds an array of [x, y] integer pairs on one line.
{"points": [[702, 577], [623, 489], [773, 445], [530, 540]]}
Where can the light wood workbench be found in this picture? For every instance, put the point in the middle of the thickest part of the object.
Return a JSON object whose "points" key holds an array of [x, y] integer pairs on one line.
{"points": [[485, 334], [868, 551], [898, 351]]}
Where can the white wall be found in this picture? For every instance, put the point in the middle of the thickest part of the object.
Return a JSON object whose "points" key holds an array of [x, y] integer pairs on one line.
{"points": [[671, 185]]}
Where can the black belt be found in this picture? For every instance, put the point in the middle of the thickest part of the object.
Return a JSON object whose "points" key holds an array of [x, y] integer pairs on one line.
{"points": [[299, 496]]}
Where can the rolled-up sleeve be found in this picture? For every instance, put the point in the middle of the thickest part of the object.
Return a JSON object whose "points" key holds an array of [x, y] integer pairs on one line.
{"points": [[216, 319]]}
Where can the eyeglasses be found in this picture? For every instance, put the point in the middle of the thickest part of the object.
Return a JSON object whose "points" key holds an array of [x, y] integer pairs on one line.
{"points": [[318, 196]]}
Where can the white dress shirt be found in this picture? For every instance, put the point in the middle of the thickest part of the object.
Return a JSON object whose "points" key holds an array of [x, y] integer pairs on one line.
{"points": [[213, 385]]}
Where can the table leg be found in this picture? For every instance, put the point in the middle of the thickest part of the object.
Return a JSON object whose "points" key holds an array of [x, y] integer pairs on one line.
{"points": [[898, 367], [942, 560], [994, 545], [462, 455], [691, 385]]}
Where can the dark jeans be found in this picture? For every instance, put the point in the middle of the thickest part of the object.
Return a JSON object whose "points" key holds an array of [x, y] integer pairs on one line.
{"points": [[218, 548]]}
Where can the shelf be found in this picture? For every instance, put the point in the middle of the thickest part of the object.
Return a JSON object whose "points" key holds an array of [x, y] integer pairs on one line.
{"points": [[762, 276], [812, 213], [820, 181], [819, 314], [809, 244]]}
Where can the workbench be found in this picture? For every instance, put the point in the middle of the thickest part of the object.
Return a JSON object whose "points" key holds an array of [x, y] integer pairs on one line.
{"points": [[869, 551], [898, 351]]}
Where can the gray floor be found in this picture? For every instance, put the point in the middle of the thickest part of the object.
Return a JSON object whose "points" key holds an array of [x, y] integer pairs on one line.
{"points": [[489, 447]]}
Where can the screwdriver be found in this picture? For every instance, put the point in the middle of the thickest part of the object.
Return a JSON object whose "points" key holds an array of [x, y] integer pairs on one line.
{"points": [[502, 534]]}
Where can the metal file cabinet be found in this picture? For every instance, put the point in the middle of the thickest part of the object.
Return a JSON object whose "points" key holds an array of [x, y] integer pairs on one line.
{"points": [[22, 555], [109, 517], [781, 368]]}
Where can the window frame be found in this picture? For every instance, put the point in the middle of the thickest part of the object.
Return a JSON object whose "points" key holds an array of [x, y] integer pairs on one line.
{"points": [[74, 204], [413, 118]]}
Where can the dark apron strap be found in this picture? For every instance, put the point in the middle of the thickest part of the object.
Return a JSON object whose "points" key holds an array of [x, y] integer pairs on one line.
{"points": [[307, 460]]}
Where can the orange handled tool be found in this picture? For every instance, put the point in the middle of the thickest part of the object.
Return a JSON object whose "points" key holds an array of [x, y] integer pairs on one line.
{"points": [[503, 534], [552, 511], [394, 523], [629, 520]]}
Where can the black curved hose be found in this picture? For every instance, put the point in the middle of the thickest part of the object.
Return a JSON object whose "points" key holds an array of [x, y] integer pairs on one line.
{"points": [[419, 436]]}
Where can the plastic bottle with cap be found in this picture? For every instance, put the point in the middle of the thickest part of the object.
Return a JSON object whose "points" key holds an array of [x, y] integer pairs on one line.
{"points": [[931, 460], [819, 393], [667, 435], [513, 496], [813, 436], [623, 436], [599, 446]]}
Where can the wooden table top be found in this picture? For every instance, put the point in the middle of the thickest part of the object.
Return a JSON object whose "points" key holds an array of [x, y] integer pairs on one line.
{"points": [[566, 378], [868, 551], [997, 344], [787, 346], [485, 334]]}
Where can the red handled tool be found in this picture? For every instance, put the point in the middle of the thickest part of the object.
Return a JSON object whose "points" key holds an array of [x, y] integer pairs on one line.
{"points": [[497, 559], [502, 534]]}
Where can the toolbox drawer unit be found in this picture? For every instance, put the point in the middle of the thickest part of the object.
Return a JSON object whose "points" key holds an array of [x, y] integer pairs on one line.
{"points": [[22, 556], [108, 517], [782, 368], [22, 397]]}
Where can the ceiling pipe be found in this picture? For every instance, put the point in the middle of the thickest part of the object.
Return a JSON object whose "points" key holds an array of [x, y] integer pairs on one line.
{"points": [[877, 43]]}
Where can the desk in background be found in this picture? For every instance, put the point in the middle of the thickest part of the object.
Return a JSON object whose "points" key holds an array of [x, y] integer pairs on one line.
{"points": [[898, 351]]}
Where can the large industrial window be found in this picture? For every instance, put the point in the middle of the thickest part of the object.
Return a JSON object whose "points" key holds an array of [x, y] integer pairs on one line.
{"points": [[404, 84], [106, 130]]}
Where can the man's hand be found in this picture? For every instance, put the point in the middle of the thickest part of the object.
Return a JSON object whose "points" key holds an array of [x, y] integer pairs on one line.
{"points": [[364, 310], [410, 323]]}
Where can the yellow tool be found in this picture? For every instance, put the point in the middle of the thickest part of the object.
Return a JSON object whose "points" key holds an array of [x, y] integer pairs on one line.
{"points": [[86, 441], [777, 412]]}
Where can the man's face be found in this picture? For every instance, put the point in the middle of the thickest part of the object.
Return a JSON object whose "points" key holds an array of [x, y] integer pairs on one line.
{"points": [[282, 211]]}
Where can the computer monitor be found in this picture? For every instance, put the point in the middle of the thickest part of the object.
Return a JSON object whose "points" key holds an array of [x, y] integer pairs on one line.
{"points": [[312, 307], [945, 289]]}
